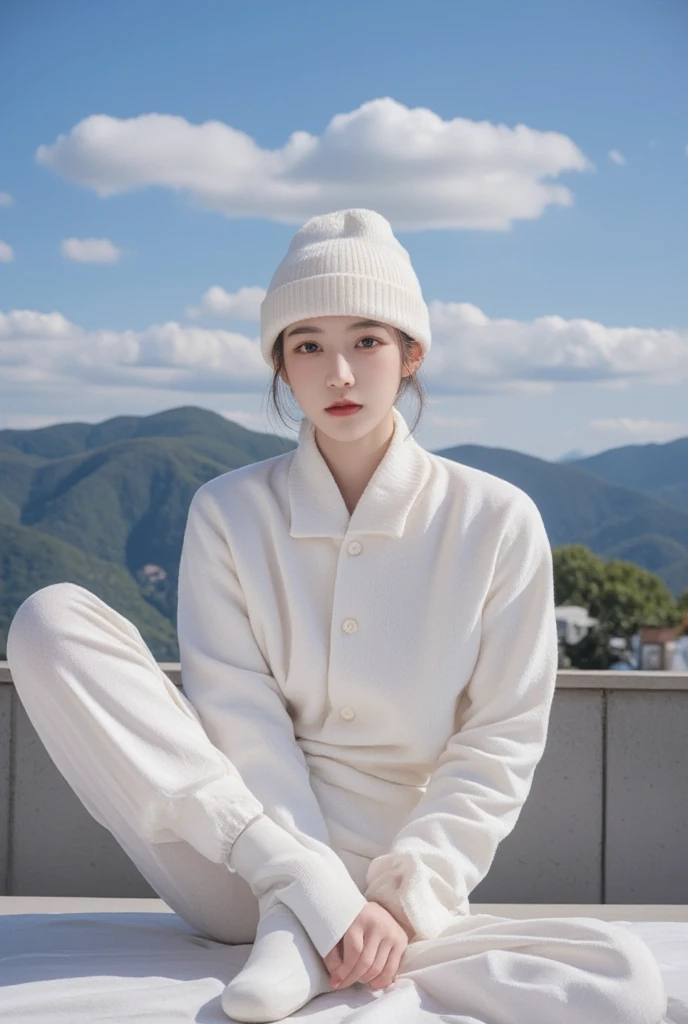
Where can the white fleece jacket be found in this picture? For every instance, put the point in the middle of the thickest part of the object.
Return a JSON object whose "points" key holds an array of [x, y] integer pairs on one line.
{"points": [[382, 681]]}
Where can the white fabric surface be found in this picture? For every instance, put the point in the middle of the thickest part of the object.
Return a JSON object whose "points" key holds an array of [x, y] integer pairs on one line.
{"points": [[148, 967]]}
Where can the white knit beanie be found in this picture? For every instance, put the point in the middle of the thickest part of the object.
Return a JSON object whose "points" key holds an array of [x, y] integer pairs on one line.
{"points": [[346, 263]]}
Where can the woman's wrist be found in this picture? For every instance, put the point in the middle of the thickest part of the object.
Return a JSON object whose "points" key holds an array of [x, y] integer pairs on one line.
{"points": [[400, 917]]}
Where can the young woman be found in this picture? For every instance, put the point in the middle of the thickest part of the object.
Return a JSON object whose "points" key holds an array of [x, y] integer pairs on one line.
{"points": [[369, 653]]}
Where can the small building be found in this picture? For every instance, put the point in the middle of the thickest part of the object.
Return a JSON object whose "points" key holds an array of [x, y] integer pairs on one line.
{"points": [[664, 648], [573, 622], [150, 573]]}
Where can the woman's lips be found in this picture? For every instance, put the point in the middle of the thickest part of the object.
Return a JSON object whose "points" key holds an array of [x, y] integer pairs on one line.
{"points": [[343, 410]]}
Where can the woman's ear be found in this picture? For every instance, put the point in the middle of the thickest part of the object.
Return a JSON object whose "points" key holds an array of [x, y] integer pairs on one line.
{"points": [[415, 360]]}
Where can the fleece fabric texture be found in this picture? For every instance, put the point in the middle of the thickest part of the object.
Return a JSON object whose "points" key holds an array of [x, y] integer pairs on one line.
{"points": [[410, 650]]}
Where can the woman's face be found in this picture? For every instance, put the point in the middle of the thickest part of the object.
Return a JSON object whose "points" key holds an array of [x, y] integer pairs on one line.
{"points": [[331, 357]]}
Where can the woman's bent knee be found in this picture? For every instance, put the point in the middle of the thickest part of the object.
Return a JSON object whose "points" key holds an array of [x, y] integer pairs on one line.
{"points": [[36, 620], [43, 605]]}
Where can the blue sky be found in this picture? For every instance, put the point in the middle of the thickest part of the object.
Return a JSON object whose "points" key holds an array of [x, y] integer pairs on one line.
{"points": [[532, 158]]}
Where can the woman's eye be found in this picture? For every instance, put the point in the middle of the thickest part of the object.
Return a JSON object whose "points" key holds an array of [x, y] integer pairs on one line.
{"points": [[304, 343]]}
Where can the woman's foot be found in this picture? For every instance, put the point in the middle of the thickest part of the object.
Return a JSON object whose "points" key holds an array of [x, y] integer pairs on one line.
{"points": [[283, 972]]}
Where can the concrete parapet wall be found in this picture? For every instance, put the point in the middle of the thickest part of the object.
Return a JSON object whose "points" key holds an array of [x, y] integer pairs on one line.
{"points": [[606, 820]]}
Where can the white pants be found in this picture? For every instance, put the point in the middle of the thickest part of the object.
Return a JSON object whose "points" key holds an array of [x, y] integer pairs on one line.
{"points": [[132, 748]]}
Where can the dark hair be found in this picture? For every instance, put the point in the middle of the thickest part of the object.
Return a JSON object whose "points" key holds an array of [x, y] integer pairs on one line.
{"points": [[411, 380]]}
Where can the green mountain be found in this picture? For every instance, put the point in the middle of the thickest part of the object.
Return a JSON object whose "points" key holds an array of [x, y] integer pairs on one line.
{"points": [[104, 505], [660, 470], [97, 504]]}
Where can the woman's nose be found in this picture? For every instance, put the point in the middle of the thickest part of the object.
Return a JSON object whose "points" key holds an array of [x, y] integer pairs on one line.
{"points": [[340, 370]]}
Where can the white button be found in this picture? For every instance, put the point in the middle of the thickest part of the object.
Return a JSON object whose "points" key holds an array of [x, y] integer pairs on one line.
{"points": [[348, 714], [354, 547], [349, 625]]}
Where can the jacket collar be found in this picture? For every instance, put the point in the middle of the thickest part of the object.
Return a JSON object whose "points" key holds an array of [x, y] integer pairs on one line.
{"points": [[317, 506]]}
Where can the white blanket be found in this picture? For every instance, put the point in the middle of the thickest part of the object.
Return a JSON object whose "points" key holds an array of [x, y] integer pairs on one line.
{"points": [[71, 968]]}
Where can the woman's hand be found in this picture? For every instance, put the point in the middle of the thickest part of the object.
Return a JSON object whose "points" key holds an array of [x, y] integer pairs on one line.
{"points": [[370, 950]]}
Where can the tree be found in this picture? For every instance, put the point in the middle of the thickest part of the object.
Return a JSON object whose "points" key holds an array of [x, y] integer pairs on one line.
{"points": [[620, 595]]}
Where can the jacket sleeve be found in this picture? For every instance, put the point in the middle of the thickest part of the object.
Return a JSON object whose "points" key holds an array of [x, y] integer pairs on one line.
{"points": [[239, 702], [483, 776]]}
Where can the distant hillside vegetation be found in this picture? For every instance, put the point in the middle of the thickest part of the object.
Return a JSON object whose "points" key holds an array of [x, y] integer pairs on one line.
{"points": [[30, 560]]}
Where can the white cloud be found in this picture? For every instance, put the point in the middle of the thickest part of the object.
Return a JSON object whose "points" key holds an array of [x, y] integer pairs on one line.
{"points": [[660, 430], [470, 354], [6, 199], [45, 350], [417, 169], [243, 305], [90, 250], [617, 157], [6, 253]]}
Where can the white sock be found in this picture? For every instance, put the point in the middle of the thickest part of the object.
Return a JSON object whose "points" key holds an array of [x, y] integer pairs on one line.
{"points": [[284, 971]]}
